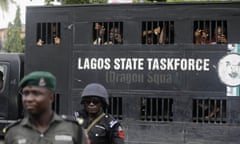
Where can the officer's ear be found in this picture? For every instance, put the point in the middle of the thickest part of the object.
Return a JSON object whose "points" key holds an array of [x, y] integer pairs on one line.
{"points": [[52, 96]]}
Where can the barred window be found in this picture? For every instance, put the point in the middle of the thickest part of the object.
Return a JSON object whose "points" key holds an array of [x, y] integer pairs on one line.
{"points": [[107, 33], [115, 107], [48, 33], [156, 109], [157, 32], [210, 32], [209, 110]]}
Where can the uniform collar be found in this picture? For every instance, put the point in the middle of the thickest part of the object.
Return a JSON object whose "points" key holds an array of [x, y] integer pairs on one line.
{"points": [[26, 121]]}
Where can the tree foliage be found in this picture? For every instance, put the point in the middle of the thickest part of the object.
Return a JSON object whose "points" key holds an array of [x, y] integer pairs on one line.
{"points": [[96, 1], [4, 4], [14, 42], [78, 1], [83, 1]]}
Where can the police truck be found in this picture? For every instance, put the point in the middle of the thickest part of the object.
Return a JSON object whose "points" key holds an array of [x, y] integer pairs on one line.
{"points": [[160, 63]]}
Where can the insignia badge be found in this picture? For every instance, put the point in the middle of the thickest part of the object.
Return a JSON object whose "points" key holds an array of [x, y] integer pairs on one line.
{"points": [[120, 132], [42, 82], [112, 123], [120, 128], [229, 69]]}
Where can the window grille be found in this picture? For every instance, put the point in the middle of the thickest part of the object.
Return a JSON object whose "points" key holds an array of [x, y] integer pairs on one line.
{"points": [[209, 110], [48, 33], [156, 109], [107, 33], [158, 32], [115, 107], [210, 32]]}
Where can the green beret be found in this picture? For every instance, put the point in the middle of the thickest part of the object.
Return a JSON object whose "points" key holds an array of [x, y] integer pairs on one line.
{"points": [[40, 79]]}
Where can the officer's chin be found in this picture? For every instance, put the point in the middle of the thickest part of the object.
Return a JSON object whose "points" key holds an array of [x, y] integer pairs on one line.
{"points": [[92, 110]]}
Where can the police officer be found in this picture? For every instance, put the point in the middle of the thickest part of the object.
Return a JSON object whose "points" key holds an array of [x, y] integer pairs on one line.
{"points": [[101, 127], [41, 125]]}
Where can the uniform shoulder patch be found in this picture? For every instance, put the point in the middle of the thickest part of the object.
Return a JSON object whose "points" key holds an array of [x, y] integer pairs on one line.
{"points": [[5, 129], [73, 119], [111, 120], [113, 123]]}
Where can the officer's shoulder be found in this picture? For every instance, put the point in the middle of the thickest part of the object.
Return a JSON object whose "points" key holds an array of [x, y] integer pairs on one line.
{"points": [[11, 125], [108, 117], [111, 120], [72, 119]]}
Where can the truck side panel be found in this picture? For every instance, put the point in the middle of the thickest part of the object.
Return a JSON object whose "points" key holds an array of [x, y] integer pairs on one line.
{"points": [[161, 92]]}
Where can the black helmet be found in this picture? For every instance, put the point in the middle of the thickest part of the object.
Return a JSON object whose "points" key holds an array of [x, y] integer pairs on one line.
{"points": [[95, 89]]}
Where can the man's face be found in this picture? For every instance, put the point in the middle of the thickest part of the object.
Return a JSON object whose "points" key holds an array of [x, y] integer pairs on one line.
{"points": [[97, 26], [36, 100], [92, 104], [115, 34], [100, 29]]}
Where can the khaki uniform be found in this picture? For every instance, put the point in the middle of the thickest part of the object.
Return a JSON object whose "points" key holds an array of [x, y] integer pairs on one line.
{"points": [[60, 131]]}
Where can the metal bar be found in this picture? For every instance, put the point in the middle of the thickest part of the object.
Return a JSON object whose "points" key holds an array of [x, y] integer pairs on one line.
{"points": [[157, 109], [162, 109], [197, 110]]}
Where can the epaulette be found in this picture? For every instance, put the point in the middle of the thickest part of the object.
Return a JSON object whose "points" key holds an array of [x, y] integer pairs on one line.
{"points": [[73, 119], [5, 129]]}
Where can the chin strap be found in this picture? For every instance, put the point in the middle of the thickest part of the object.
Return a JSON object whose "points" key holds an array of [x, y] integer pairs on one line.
{"points": [[94, 122]]}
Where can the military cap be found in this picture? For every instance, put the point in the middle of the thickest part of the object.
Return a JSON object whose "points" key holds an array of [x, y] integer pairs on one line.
{"points": [[40, 79]]}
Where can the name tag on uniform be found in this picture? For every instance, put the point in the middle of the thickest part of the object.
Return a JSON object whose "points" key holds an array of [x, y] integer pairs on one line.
{"points": [[21, 141], [63, 138]]}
